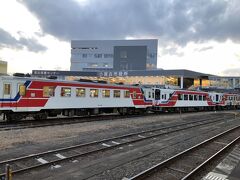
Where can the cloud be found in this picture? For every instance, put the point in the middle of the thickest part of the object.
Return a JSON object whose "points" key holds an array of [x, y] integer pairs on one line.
{"points": [[172, 51], [175, 20], [7, 40], [204, 49], [231, 72]]}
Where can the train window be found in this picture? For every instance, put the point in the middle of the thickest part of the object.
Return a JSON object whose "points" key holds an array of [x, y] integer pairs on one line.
{"points": [[190, 97], [7, 89], [106, 93], [127, 94], [48, 91], [116, 93], [22, 90], [134, 94], [65, 92], [195, 97], [80, 92], [149, 94], [180, 96], [185, 97], [204, 98], [93, 92], [200, 98]]}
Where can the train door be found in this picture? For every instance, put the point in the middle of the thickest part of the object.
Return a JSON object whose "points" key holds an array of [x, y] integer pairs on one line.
{"points": [[21, 92], [157, 94], [217, 98]]}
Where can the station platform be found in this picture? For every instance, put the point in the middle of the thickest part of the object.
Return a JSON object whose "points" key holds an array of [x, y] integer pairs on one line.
{"points": [[228, 169]]}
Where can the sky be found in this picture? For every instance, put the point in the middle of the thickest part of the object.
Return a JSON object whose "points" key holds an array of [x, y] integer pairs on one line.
{"points": [[198, 35]]}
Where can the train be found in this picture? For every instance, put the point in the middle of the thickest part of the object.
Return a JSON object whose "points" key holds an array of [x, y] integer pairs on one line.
{"points": [[41, 98]]}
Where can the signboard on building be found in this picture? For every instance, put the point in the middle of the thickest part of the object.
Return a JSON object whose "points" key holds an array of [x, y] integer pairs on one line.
{"points": [[113, 73]]}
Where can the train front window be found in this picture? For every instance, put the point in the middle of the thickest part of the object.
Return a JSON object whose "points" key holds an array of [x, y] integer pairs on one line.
{"points": [[7, 89]]}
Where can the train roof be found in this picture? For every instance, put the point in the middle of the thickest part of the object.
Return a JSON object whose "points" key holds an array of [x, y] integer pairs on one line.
{"points": [[80, 81]]}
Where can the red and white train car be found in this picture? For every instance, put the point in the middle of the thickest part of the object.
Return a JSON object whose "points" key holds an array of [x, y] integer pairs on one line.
{"points": [[169, 99], [40, 98], [43, 97]]}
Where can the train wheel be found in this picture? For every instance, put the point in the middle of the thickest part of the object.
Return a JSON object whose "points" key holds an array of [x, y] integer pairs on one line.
{"points": [[40, 116], [14, 117]]}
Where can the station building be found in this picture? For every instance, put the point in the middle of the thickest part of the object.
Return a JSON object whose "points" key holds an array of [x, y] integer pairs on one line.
{"points": [[131, 62]]}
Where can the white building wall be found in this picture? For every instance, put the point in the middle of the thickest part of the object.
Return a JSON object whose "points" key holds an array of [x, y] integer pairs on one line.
{"points": [[99, 53]]}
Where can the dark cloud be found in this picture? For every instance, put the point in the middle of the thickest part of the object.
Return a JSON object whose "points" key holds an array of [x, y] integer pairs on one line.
{"points": [[6, 40], [174, 20]]}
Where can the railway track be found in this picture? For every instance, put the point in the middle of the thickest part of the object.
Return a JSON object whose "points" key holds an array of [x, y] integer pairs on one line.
{"points": [[57, 156], [4, 126], [188, 163], [24, 124]]}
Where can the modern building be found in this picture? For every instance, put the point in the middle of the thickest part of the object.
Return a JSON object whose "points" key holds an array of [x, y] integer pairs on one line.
{"points": [[94, 55], [170, 78], [131, 62], [3, 67]]}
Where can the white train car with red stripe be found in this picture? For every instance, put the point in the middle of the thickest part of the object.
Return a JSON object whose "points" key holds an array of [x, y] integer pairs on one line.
{"points": [[175, 100], [40, 98]]}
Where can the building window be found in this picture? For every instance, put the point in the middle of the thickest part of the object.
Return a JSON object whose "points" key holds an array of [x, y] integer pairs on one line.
{"points": [[108, 55], [48, 91], [106, 93], [66, 92], [105, 65], [123, 54], [98, 55], [84, 55], [94, 65], [7, 89], [116, 93], [80, 92], [93, 92]]}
